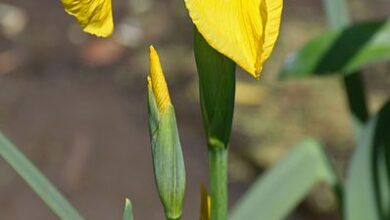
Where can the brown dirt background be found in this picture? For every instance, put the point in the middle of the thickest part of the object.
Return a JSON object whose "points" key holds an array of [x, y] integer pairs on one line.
{"points": [[76, 106]]}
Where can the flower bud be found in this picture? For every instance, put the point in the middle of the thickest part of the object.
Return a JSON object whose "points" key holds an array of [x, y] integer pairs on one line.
{"points": [[168, 162]]}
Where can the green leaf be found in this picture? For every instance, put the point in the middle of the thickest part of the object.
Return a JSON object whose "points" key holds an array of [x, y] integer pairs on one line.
{"points": [[128, 210], [37, 181], [274, 195], [368, 190], [217, 91], [341, 51], [337, 14]]}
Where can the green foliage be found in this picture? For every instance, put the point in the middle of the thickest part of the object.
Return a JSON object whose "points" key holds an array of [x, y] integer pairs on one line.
{"points": [[37, 181], [344, 51], [357, 101], [337, 13], [368, 190], [276, 193], [168, 162], [341, 51], [128, 210], [217, 91]]}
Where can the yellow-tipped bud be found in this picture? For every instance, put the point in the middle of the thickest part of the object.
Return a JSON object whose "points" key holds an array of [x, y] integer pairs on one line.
{"points": [[156, 81], [167, 155]]}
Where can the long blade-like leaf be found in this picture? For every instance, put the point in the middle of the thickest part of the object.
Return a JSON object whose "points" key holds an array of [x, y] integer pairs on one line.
{"points": [[368, 190], [338, 17], [275, 194], [37, 181], [341, 51]]}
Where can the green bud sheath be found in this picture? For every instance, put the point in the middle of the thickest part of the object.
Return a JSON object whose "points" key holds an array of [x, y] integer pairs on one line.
{"points": [[168, 163], [217, 92]]}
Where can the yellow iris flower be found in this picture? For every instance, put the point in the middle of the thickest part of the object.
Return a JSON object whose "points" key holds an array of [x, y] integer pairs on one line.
{"points": [[243, 30], [95, 16]]}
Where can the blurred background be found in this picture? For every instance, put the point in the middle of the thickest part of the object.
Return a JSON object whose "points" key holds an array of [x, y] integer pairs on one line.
{"points": [[76, 106]]}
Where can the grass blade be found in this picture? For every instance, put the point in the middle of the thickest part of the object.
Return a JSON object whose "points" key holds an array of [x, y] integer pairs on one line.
{"points": [[37, 181]]}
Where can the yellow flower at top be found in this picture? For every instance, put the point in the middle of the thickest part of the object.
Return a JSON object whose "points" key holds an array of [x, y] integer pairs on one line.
{"points": [[95, 16], [243, 30], [157, 83]]}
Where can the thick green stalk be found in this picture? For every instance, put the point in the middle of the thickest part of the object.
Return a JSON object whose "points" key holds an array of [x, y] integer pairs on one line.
{"points": [[218, 183]]}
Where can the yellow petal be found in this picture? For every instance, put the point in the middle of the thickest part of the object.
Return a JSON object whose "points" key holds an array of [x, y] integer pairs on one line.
{"points": [[204, 203], [156, 81], [95, 16], [243, 30]]}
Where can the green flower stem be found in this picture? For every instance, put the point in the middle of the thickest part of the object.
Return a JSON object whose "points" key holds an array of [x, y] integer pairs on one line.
{"points": [[218, 183]]}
